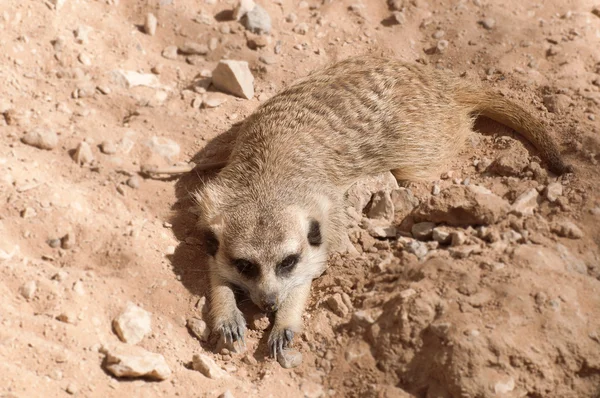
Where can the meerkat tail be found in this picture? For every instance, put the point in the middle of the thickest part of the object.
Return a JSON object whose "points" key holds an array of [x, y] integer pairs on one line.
{"points": [[500, 109]]}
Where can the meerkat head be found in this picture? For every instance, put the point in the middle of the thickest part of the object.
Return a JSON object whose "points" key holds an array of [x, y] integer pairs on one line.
{"points": [[265, 246]]}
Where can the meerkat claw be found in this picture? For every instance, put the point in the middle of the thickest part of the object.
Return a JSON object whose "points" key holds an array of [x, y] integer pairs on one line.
{"points": [[233, 330], [278, 340]]}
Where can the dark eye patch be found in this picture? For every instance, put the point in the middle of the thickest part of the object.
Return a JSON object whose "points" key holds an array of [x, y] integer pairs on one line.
{"points": [[246, 268], [314, 233], [287, 265], [211, 243]]}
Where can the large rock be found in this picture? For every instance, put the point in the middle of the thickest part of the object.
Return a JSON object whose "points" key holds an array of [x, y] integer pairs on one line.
{"points": [[242, 8], [257, 20], [360, 193], [526, 203], [461, 205], [510, 162], [382, 206], [234, 77], [132, 361], [133, 324]]}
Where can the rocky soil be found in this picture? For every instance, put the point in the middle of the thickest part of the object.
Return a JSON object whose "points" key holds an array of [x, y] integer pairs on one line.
{"points": [[483, 283]]}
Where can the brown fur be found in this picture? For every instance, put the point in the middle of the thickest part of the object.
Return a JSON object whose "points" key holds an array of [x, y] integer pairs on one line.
{"points": [[299, 152]]}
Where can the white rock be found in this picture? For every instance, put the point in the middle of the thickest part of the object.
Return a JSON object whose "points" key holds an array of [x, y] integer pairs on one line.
{"points": [[417, 248], [553, 191], [28, 290], [360, 193], [133, 324], [199, 328], [129, 79], [170, 52], [58, 4], [78, 288], [289, 359], [457, 238], [379, 228], [193, 48], [164, 147], [488, 23], [226, 394], [208, 367], [108, 147], [311, 389], [82, 34], [41, 139], [301, 28], [441, 235], [84, 59], [423, 230], [132, 361], [526, 203], [83, 154], [213, 100], [243, 7], [257, 20], [234, 77], [504, 387], [382, 206], [5, 256], [150, 24]]}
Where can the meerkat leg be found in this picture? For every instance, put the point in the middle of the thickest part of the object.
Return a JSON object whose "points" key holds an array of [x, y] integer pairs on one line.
{"points": [[288, 319], [228, 320]]}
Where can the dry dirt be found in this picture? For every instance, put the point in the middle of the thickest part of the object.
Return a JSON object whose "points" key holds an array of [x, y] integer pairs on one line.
{"points": [[507, 310]]}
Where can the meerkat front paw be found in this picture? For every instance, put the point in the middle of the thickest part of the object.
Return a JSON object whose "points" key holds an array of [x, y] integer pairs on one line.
{"points": [[279, 339], [232, 328]]}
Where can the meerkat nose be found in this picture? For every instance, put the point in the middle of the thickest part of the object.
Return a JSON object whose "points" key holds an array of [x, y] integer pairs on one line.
{"points": [[269, 302]]}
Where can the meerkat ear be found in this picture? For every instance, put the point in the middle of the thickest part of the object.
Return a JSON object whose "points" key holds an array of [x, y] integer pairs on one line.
{"points": [[314, 233], [208, 201]]}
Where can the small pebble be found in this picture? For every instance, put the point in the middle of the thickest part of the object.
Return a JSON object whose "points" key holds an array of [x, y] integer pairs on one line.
{"points": [[108, 147], [150, 24], [134, 182], [83, 154], [170, 52], [72, 389], [301, 28], [28, 290], [54, 243], [41, 139], [67, 242], [67, 317], [289, 359], [488, 23], [442, 46]]}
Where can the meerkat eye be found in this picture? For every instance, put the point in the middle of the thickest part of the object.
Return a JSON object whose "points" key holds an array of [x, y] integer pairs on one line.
{"points": [[314, 233], [246, 268], [288, 264], [211, 242]]}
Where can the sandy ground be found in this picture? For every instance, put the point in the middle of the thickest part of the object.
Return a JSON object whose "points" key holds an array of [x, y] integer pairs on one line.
{"points": [[507, 310]]}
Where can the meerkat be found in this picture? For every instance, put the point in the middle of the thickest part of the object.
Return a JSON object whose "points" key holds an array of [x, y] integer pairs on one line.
{"points": [[276, 210]]}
